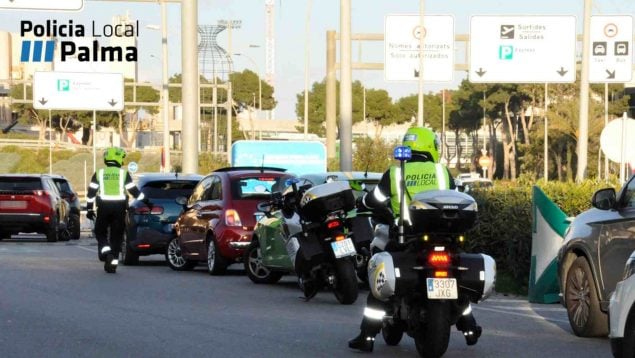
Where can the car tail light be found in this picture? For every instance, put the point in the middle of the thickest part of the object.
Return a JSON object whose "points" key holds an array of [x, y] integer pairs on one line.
{"points": [[145, 210], [232, 218]]}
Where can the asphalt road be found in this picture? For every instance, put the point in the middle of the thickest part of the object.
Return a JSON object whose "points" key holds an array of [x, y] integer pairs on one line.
{"points": [[56, 301]]}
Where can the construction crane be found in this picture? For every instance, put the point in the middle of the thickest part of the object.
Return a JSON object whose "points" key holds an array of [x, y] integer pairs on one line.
{"points": [[270, 43]]}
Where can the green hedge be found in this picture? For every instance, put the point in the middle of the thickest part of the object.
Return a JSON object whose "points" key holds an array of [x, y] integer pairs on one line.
{"points": [[505, 220]]}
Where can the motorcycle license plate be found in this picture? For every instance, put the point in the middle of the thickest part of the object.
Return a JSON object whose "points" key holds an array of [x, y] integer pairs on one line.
{"points": [[343, 248], [442, 289]]}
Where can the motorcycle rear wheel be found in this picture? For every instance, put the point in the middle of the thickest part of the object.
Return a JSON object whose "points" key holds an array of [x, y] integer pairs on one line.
{"points": [[345, 288], [433, 337]]}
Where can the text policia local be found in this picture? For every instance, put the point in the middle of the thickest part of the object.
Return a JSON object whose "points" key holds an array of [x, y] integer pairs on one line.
{"points": [[96, 52]]}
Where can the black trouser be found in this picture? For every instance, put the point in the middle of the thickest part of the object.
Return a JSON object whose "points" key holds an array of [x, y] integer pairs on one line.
{"points": [[371, 326], [110, 214]]}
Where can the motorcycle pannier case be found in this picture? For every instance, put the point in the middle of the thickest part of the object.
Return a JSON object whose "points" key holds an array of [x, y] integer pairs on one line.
{"points": [[477, 276], [442, 211], [391, 273], [322, 199]]}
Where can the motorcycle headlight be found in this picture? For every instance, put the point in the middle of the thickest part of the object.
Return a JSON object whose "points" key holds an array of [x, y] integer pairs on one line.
{"points": [[629, 268]]}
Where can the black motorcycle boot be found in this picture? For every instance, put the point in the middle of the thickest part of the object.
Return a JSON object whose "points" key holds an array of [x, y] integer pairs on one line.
{"points": [[362, 342], [309, 286], [110, 264], [471, 331], [472, 336]]}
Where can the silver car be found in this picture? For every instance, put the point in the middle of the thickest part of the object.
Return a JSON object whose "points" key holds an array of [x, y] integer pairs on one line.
{"points": [[622, 313]]}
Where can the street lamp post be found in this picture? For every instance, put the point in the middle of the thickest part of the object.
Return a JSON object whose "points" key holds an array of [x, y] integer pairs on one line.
{"points": [[165, 100]]}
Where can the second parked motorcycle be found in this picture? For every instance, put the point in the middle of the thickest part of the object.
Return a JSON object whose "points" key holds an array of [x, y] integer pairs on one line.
{"points": [[304, 230]]}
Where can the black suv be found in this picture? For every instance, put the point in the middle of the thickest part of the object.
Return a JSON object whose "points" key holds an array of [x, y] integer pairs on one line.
{"points": [[32, 203], [591, 260], [66, 191]]}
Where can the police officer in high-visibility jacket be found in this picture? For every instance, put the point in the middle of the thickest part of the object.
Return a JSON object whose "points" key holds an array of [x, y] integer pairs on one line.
{"points": [[423, 172], [108, 186]]}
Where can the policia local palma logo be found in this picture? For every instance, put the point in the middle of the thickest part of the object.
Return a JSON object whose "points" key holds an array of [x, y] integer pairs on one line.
{"points": [[42, 51]]}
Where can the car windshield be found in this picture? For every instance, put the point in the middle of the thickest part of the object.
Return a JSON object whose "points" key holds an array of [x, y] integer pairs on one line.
{"points": [[260, 186], [18, 183], [168, 189]]}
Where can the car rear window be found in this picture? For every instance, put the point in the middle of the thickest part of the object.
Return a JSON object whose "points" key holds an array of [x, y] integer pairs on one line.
{"points": [[63, 185], [168, 189], [20, 184], [256, 187]]}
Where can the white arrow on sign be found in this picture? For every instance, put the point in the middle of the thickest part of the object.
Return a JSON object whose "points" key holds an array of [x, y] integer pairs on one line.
{"points": [[611, 50], [78, 91], [60, 5]]}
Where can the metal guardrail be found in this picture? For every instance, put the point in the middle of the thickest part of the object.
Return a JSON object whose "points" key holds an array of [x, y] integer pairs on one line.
{"points": [[35, 143]]}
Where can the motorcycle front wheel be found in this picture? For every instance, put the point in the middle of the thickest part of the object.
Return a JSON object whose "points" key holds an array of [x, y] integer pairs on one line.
{"points": [[433, 337], [345, 288]]}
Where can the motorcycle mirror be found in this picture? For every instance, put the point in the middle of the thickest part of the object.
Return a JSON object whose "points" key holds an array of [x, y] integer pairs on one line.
{"points": [[181, 200], [402, 153]]}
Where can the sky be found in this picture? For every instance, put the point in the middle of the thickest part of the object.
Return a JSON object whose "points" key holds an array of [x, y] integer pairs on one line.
{"points": [[291, 37]]}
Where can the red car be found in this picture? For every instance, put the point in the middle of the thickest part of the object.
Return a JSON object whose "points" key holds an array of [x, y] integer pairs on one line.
{"points": [[218, 219], [32, 203]]}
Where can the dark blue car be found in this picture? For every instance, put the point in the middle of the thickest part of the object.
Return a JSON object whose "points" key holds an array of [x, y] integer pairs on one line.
{"points": [[149, 228]]}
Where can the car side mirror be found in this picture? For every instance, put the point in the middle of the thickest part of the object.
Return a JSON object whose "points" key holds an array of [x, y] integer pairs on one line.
{"points": [[604, 199]]}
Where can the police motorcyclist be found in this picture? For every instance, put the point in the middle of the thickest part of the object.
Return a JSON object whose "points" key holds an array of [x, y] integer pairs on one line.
{"points": [[108, 186], [432, 176]]}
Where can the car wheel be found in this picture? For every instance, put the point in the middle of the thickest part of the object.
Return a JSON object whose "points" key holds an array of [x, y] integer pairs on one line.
{"points": [[256, 271], [128, 256], [74, 226], [583, 304], [52, 233], [216, 264], [175, 259]]}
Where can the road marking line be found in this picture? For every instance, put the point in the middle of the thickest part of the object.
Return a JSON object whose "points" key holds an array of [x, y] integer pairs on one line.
{"points": [[87, 249], [521, 314]]}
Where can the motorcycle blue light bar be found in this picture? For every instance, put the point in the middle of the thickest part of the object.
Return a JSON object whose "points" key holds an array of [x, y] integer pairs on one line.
{"points": [[291, 181], [402, 153]]}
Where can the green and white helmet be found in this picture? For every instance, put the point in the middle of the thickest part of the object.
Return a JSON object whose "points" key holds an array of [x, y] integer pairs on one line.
{"points": [[114, 155], [424, 141]]}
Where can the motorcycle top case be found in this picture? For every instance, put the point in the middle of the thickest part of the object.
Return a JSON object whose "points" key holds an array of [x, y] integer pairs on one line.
{"points": [[446, 211], [320, 200]]}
